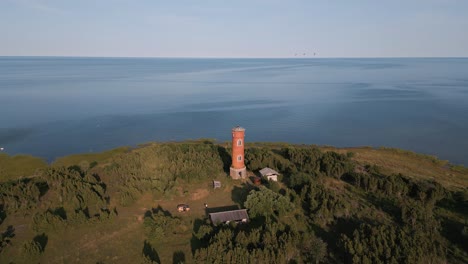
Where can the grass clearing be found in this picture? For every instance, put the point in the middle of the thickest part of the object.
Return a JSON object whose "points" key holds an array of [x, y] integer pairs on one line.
{"points": [[417, 166], [89, 158], [13, 167]]}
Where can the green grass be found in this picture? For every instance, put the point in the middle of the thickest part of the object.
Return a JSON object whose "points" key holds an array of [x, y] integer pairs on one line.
{"points": [[120, 241], [89, 158], [13, 167], [411, 164]]}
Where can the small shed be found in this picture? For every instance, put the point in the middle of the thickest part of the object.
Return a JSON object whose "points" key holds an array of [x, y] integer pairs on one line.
{"points": [[216, 184], [239, 216], [270, 174]]}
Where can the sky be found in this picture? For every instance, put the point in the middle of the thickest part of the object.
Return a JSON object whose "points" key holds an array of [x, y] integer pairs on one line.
{"points": [[236, 28]]}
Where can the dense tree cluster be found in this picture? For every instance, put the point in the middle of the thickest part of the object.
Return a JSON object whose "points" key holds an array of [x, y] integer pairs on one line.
{"points": [[392, 244], [20, 195], [160, 224], [297, 160], [383, 219], [274, 242], [267, 203]]}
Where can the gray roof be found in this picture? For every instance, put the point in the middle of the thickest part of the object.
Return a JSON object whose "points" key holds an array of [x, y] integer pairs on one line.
{"points": [[238, 128], [267, 171], [234, 215]]}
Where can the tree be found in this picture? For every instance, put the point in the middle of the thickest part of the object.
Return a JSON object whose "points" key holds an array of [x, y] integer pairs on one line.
{"points": [[313, 248], [267, 203], [31, 252]]}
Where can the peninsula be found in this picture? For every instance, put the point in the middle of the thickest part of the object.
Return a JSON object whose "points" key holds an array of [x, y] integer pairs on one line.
{"points": [[328, 205]]}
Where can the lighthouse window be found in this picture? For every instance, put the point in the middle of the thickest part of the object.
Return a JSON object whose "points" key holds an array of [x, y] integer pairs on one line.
{"points": [[239, 158], [239, 142]]}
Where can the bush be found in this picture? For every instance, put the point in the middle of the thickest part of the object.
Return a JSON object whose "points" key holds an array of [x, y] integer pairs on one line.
{"points": [[47, 221], [158, 226], [30, 252]]}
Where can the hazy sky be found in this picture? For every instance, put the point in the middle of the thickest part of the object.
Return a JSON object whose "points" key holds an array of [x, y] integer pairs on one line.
{"points": [[235, 28]]}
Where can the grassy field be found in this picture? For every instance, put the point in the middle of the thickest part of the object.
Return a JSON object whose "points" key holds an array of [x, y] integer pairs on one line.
{"points": [[89, 158], [12, 167], [417, 166]]}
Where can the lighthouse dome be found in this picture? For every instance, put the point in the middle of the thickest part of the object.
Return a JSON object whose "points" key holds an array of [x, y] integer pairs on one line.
{"points": [[238, 128]]}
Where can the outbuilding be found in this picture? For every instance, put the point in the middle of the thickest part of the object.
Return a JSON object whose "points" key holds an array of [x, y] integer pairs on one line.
{"points": [[239, 216], [270, 174], [216, 184]]}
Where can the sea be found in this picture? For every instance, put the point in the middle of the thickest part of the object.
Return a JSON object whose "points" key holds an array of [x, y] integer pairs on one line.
{"points": [[55, 106]]}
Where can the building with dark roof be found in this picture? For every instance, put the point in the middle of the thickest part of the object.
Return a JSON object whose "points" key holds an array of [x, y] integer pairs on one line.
{"points": [[229, 216]]}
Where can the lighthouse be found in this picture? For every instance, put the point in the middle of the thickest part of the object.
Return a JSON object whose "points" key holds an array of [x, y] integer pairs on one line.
{"points": [[238, 170]]}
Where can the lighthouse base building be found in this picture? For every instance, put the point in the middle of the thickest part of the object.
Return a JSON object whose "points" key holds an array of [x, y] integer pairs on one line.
{"points": [[238, 173], [238, 169]]}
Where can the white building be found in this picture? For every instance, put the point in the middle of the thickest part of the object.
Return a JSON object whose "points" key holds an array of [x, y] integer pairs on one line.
{"points": [[270, 174]]}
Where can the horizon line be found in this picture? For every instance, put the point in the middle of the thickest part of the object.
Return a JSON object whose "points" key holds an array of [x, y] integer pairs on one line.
{"points": [[197, 57]]}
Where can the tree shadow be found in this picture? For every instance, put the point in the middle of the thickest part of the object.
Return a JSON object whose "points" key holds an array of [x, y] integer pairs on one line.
{"points": [[226, 158], [197, 223], [195, 242], [148, 213], [239, 194], [5, 237], [3, 214], [385, 204], [256, 222], [98, 179], [160, 209], [178, 257], [77, 169], [60, 211], [452, 231], [456, 205], [150, 253], [9, 233], [43, 187], [86, 212], [42, 240]]}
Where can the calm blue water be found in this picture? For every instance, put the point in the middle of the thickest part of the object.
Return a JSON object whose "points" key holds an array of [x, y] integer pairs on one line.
{"points": [[51, 107]]}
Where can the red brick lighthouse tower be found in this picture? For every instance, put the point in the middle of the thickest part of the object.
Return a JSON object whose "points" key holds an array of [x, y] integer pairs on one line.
{"points": [[238, 169]]}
